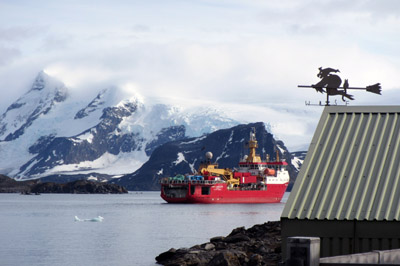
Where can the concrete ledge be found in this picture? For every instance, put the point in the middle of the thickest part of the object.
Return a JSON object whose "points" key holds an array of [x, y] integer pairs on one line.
{"points": [[376, 257]]}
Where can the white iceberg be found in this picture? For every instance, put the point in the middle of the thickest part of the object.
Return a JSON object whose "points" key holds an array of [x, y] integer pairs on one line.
{"points": [[95, 219]]}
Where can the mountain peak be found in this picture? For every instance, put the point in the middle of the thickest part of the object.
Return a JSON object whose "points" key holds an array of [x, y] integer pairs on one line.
{"points": [[45, 92], [40, 81], [53, 85]]}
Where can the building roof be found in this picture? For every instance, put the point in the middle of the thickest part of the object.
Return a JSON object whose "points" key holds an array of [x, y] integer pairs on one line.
{"points": [[352, 168]]}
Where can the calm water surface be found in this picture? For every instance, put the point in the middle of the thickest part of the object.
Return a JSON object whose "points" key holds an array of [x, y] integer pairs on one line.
{"points": [[40, 230]]}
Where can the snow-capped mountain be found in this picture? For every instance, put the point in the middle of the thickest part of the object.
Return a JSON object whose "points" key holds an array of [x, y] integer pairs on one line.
{"points": [[39, 100], [47, 132], [184, 156]]}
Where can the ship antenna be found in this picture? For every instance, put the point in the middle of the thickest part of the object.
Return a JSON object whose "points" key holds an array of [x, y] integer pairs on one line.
{"points": [[253, 134]]}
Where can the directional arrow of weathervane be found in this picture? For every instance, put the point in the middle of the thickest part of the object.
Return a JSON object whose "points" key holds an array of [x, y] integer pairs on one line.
{"points": [[376, 88]]}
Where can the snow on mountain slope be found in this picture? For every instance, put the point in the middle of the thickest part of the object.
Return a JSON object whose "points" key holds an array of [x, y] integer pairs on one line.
{"points": [[108, 164], [87, 146], [39, 100], [96, 104], [46, 133], [120, 143], [298, 159], [56, 119], [196, 120]]}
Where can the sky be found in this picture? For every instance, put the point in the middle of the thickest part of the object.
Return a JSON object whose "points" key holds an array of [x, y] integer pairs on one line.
{"points": [[244, 56]]}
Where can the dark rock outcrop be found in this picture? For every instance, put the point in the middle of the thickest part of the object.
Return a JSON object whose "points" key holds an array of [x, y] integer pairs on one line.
{"points": [[258, 245], [78, 187], [9, 185]]}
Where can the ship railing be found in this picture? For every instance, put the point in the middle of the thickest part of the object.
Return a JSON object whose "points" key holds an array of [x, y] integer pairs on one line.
{"points": [[166, 181], [194, 182], [206, 182]]}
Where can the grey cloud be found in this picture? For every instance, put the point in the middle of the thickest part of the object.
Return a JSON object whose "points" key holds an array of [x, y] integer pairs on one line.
{"points": [[382, 8], [312, 29], [52, 42], [319, 17], [141, 28], [16, 34], [7, 55], [371, 8]]}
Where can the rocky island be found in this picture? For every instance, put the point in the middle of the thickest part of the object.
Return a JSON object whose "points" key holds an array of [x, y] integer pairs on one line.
{"points": [[258, 245], [9, 185]]}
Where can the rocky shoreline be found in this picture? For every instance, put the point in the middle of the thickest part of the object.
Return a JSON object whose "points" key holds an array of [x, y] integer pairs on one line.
{"points": [[9, 185], [258, 245]]}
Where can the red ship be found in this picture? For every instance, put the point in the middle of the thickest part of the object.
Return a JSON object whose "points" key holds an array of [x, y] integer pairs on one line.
{"points": [[255, 181]]}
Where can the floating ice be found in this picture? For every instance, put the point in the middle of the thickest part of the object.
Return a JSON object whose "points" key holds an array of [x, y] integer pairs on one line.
{"points": [[95, 219]]}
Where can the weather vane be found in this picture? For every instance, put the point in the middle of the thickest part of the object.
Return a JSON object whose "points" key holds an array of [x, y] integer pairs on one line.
{"points": [[330, 84]]}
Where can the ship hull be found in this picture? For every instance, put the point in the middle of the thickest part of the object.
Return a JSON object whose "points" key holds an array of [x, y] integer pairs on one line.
{"points": [[218, 193]]}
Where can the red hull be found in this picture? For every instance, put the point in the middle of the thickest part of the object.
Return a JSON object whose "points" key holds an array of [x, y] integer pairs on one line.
{"points": [[218, 193]]}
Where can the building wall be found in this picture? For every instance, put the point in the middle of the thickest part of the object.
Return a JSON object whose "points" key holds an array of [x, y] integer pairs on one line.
{"points": [[344, 237]]}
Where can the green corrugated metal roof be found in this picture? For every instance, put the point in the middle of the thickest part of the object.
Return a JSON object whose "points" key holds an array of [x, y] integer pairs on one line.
{"points": [[352, 168]]}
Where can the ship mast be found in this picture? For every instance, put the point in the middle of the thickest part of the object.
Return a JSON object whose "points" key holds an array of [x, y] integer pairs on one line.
{"points": [[253, 157]]}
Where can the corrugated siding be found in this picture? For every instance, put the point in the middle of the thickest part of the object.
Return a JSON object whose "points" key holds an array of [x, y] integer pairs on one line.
{"points": [[352, 169]]}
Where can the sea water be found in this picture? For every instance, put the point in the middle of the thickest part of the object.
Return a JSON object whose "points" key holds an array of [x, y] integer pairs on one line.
{"points": [[136, 227]]}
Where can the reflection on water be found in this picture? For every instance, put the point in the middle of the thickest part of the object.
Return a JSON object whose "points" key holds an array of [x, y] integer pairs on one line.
{"points": [[136, 227], [249, 213]]}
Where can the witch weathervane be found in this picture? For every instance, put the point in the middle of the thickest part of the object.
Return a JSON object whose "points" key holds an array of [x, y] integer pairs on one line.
{"points": [[330, 84]]}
